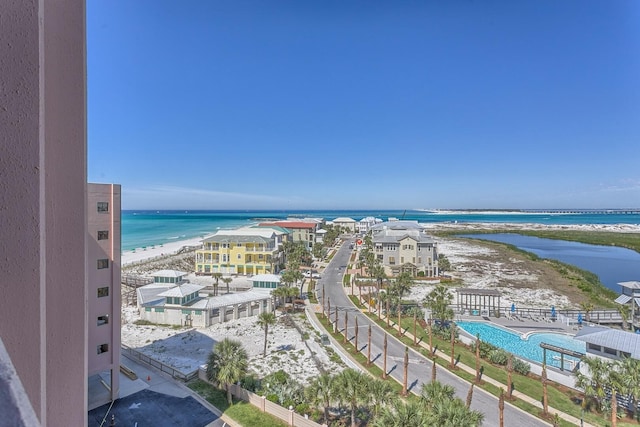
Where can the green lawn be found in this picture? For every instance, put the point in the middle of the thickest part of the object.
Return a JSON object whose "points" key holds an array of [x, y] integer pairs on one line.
{"points": [[243, 412]]}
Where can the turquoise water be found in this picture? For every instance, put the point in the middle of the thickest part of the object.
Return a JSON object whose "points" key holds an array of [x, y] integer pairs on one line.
{"points": [[146, 228], [611, 264], [529, 348]]}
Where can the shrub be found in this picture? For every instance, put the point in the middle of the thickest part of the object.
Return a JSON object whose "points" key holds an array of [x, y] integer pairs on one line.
{"points": [[498, 356], [521, 367], [251, 383], [485, 348], [420, 273], [303, 408]]}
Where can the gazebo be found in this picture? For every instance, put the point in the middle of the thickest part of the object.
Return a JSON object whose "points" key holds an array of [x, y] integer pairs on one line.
{"points": [[478, 301]]}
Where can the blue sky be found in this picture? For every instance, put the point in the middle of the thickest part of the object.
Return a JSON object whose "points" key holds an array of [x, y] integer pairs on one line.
{"points": [[365, 104]]}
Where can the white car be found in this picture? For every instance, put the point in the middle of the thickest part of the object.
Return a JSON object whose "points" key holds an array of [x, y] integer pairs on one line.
{"points": [[311, 274]]}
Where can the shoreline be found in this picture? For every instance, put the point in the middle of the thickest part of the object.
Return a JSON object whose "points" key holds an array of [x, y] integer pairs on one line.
{"points": [[166, 249], [131, 256]]}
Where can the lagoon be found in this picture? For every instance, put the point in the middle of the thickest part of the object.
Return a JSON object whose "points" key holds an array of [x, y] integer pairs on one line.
{"points": [[611, 264]]}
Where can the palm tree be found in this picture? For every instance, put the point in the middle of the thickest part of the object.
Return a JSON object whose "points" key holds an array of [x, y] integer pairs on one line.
{"points": [[438, 302], [453, 413], [382, 394], [470, 396], [594, 383], [630, 371], [265, 319], [588, 308], [227, 364], [353, 389], [625, 313], [380, 275], [545, 395], [322, 391], [401, 414], [501, 407], [435, 392], [478, 358], [509, 375], [227, 281], [217, 277]]}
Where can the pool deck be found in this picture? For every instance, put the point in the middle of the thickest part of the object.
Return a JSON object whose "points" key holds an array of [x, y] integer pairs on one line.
{"points": [[522, 325]]}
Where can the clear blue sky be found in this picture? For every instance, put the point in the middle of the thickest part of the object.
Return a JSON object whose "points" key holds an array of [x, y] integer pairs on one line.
{"points": [[365, 104]]}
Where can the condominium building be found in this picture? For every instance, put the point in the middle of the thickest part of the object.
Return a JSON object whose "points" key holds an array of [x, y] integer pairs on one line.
{"points": [[43, 178], [348, 224], [103, 284], [301, 231], [404, 246], [247, 250]]}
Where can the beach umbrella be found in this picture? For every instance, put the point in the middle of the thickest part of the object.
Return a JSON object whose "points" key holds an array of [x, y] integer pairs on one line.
{"points": [[513, 308], [579, 318]]}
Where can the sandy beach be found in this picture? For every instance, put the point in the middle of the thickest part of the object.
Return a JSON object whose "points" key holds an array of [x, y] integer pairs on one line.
{"points": [[303, 357]]}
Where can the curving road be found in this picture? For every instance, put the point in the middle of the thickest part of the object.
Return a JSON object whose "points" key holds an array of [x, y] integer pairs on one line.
{"points": [[419, 370]]}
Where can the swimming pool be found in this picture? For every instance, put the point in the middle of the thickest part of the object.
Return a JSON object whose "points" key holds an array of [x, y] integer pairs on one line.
{"points": [[526, 348]]}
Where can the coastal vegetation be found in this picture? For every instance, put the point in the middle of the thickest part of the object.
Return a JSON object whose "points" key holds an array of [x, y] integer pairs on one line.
{"points": [[576, 284]]}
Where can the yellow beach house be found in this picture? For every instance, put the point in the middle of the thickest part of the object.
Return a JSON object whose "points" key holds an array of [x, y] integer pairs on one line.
{"points": [[246, 250]]}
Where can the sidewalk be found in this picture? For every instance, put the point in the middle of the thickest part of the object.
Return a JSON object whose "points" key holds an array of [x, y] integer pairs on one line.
{"points": [[472, 371], [155, 398]]}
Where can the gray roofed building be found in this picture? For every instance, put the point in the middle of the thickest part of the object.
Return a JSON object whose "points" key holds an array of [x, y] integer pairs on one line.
{"points": [[404, 246], [181, 290], [631, 292], [610, 343]]}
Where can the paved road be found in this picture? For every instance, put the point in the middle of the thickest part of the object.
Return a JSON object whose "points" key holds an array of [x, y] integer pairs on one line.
{"points": [[419, 370]]}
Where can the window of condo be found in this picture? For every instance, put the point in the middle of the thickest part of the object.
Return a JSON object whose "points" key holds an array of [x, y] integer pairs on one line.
{"points": [[103, 207], [103, 348], [103, 263], [103, 292], [239, 256], [103, 320], [103, 235]]}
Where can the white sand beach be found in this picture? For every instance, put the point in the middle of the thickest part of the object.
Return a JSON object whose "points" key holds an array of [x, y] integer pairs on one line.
{"points": [[141, 254]]}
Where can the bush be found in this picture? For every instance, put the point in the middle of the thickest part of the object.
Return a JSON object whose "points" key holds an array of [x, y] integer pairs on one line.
{"points": [[303, 408], [499, 356], [485, 348], [250, 383], [521, 367], [420, 273]]}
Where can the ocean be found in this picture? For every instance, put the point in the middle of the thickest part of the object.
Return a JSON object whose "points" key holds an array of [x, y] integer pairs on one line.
{"points": [[147, 228]]}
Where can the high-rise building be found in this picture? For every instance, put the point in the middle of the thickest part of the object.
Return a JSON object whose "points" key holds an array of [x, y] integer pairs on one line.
{"points": [[43, 204], [103, 284]]}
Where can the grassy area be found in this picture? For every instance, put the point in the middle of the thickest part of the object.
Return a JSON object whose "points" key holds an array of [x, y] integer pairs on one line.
{"points": [[577, 284], [243, 412], [560, 397]]}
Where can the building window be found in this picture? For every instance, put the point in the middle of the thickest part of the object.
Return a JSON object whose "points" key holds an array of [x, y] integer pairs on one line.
{"points": [[103, 207], [103, 263], [147, 309], [593, 347], [625, 354], [103, 292], [380, 257], [159, 310], [610, 351], [103, 348], [103, 320], [239, 256], [103, 235]]}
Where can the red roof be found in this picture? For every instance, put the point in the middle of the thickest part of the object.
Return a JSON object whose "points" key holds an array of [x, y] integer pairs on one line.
{"points": [[290, 224]]}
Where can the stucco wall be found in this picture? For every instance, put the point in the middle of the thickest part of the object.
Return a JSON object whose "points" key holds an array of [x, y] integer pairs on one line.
{"points": [[42, 203]]}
